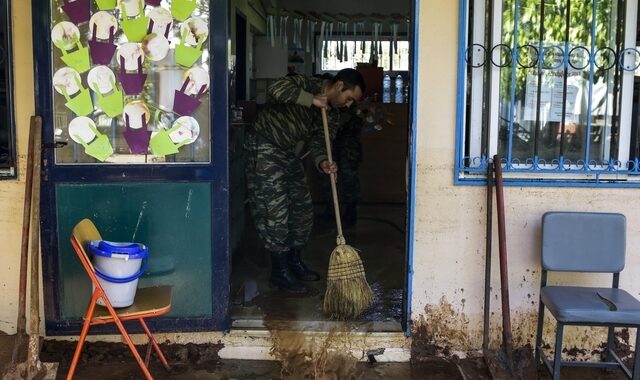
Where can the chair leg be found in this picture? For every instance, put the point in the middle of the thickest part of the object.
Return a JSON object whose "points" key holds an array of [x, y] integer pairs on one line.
{"points": [[557, 356], [83, 336], [127, 339], [636, 359], [538, 347], [610, 338], [154, 343]]}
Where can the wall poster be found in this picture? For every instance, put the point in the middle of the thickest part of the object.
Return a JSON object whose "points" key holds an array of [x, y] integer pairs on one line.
{"points": [[131, 81]]}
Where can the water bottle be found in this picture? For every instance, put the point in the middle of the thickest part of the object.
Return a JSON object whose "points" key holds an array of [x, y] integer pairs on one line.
{"points": [[399, 98], [386, 89]]}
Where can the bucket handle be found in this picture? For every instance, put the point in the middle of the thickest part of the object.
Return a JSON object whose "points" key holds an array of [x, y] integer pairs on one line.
{"points": [[125, 279]]}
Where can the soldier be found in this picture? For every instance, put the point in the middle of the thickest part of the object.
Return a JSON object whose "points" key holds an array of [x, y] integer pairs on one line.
{"points": [[278, 194]]}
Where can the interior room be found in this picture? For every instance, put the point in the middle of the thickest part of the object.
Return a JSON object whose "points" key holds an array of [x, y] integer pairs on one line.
{"points": [[320, 38]]}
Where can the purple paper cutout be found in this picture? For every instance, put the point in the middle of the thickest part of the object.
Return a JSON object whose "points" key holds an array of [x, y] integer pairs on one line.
{"points": [[166, 31], [78, 11], [132, 83], [183, 104], [153, 3], [137, 139], [102, 52]]}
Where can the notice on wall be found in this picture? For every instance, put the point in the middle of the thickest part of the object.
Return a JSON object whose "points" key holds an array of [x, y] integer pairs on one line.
{"points": [[552, 100]]}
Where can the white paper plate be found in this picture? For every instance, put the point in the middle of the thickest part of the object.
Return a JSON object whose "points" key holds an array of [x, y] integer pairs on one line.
{"points": [[79, 127], [135, 110], [130, 51], [195, 27], [103, 21], [100, 79], [65, 34], [155, 47], [132, 7], [189, 129], [161, 18], [197, 78], [68, 79]]}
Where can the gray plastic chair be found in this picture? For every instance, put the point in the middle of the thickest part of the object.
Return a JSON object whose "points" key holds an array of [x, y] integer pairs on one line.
{"points": [[593, 243]]}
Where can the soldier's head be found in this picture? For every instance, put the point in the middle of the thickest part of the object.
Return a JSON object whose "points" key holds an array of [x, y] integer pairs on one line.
{"points": [[345, 88]]}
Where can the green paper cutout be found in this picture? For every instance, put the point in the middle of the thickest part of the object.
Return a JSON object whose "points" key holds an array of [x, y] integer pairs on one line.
{"points": [[78, 60], [113, 103], [106, 5], [187, 55], [135, 28], [100, 148], [81, 104], [161, 144], [182, 9]]}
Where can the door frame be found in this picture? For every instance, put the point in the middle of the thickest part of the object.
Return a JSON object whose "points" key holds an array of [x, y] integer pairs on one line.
{"points": [[216, 173]]}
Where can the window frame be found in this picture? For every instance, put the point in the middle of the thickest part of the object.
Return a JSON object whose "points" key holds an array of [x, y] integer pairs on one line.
{"points": [[8, 170], [471, 169]]}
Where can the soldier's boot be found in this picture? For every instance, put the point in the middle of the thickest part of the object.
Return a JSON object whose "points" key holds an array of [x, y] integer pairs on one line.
{"points": [[299, 268], [349, 215], [282, 276]]}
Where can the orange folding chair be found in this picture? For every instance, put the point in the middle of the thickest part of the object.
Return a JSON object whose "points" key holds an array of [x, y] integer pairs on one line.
{"points": [[149, 302]]}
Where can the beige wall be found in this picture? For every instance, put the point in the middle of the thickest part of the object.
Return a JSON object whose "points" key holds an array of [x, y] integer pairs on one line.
{"points": [[449, 241], [12, 192]]}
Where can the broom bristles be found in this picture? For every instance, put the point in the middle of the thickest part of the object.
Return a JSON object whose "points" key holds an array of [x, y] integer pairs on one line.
{"points": [[348, 293]]}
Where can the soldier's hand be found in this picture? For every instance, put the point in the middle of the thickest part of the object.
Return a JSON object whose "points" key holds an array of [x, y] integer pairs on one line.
{"points": [[328, 167], [320, 101]]}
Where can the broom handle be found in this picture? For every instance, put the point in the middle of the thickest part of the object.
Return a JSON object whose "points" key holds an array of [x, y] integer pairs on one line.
{"points": [[334, 190]]}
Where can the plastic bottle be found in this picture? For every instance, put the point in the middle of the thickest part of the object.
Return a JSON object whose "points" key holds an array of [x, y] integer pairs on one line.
{"points": [[399, 98], [386, 89]]}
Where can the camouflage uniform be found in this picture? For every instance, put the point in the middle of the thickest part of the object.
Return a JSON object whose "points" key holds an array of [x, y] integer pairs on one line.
{"points": [[277, 188]]}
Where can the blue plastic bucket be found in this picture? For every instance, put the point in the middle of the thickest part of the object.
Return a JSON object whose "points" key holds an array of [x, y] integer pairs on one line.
{"points": [[118, 267]]}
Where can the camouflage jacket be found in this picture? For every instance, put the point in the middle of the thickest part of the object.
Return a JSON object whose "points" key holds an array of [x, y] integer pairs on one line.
{"points": [[289, 117]]}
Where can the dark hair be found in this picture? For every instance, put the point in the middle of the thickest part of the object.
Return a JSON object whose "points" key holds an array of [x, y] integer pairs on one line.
{"points": [[351, 78]]}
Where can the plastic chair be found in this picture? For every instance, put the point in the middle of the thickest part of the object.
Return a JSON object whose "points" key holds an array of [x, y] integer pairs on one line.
{"points": [[592, 243], [149, 302]]}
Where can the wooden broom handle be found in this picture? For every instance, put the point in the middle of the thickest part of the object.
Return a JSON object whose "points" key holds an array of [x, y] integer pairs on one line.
{"points": [[334, 190]]}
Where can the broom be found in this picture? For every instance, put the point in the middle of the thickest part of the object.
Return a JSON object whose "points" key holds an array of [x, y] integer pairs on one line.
{"points": [[348, 293]]}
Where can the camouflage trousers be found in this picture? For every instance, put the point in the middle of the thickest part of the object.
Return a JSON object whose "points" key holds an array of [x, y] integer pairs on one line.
{"points": [[278, 195]]}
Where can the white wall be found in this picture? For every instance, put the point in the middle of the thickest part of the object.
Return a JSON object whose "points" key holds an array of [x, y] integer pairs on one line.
{"points": [[449, 239]]}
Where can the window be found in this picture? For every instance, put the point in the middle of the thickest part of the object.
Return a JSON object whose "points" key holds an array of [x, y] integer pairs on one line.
{"points": [[354, 51], [7, 129], [549, 86]]}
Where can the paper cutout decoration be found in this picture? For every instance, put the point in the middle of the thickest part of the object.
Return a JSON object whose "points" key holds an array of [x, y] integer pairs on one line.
{"points": [[136, 133], [66, 36], [155, 47], [109, 97], [184, 131], [196, 83], [130, 57], [182, 9], [83, 131], [103, 25], [77, 10], [107, 5], [66, 81], [160, 21], [192, 32], [134, 28]]}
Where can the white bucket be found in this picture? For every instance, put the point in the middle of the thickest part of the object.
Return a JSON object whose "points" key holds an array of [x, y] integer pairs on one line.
{"points": [[118, 267]]}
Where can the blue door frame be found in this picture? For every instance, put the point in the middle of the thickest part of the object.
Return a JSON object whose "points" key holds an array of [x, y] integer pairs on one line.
{"points": [[215, 173]]}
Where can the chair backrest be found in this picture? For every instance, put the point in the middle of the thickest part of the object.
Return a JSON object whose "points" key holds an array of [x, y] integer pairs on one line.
{"points": [[583, 242], [83, 232]]}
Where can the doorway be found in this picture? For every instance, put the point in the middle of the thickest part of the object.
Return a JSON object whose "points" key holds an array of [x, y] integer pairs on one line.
{"points": [[380, 228]]}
